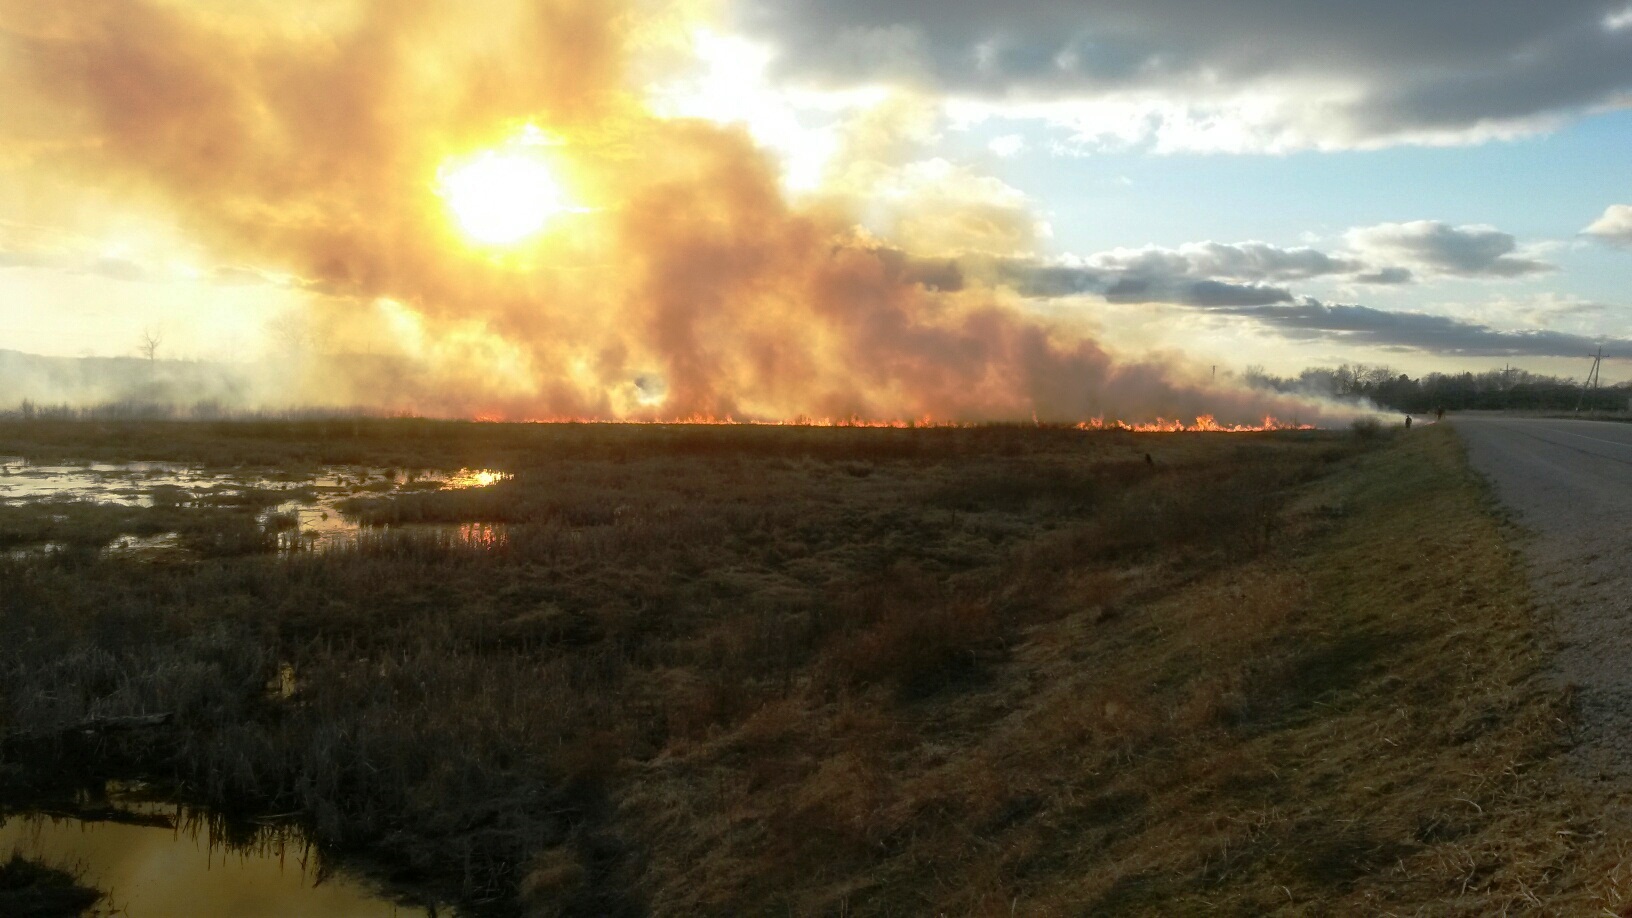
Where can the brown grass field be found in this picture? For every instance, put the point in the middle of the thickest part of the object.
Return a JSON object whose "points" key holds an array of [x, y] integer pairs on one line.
{"points": [[1002, 670]]}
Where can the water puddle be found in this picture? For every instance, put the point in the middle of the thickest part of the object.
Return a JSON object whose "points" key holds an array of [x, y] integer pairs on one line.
{"points": [[159, 861], [41, 550], [302, 511], [130, 483], [132, 544]]}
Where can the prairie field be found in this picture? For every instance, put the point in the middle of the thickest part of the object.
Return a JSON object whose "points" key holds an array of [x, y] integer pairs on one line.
{"points": [[763, 670]]}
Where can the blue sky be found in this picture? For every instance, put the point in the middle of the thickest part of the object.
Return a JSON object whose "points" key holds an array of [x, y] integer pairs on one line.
{"points": [[1544, 187]]}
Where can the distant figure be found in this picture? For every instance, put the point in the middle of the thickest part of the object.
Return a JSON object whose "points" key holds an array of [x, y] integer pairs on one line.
{"points": [[1149, 461], [1439, 414], [1408, 422]]}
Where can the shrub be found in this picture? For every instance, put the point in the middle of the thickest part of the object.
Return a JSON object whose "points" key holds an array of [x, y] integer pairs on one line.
{"points": [[1367, 429]]}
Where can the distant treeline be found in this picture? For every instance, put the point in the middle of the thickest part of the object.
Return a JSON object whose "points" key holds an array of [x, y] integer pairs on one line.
{"points": [[142, 410], [1491, 390]]}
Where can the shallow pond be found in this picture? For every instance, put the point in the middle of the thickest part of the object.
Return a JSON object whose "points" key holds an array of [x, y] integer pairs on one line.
{"points": [[302, 508], [177, 864]]}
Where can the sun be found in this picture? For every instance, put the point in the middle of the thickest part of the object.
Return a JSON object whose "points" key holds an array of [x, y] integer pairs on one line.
{"points": [[502, 198]]}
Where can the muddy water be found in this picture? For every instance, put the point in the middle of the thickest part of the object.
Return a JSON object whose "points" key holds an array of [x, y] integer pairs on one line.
{"points": [[181, 869], [310, 518]]}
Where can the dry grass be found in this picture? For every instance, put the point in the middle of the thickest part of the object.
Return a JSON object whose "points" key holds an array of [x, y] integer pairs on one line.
{"points": [[1004, 671], [1355, 720], [29, 889]]}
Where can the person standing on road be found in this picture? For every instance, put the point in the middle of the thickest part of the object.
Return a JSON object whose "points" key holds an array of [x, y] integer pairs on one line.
{"points": [[1408, 422]]}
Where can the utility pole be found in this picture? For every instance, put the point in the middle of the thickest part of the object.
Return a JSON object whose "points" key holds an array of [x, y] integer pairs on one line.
{"points": [[1592, 378]]}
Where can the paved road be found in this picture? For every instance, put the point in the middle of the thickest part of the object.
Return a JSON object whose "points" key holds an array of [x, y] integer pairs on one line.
{"points": [[1570, 484]]}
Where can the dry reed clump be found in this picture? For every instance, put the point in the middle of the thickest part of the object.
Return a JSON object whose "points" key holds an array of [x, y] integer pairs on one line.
{"points": [[921, 647], [30, 889], [874, 672]]}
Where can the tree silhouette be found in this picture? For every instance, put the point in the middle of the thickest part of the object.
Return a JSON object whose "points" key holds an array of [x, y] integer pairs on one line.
{"points": [[149, 346]]}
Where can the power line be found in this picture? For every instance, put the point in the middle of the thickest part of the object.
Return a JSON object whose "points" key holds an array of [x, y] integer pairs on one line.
{"points": [[1592, 378]]}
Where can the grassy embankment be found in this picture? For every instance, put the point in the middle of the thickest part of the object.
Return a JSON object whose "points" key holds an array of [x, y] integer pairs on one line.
{"points": [[860, 672]]}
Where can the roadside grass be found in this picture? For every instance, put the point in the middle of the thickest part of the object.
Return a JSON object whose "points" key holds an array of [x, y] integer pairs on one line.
{"points": [[722, 671], [1356, 721]]}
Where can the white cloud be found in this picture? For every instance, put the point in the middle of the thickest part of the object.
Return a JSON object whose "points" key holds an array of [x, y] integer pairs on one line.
{"points": [[1008, 145], [1615, 226], [1432, 247]]}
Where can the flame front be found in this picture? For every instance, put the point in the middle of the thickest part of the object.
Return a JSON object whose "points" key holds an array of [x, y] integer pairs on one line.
{"points": [[1203, 424]]}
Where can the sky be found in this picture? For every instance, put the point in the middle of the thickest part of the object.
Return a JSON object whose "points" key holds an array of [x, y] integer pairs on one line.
{"points": [[790, 208]]}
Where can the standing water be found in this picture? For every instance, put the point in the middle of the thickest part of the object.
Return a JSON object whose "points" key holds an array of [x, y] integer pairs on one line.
{"points": [[161, 862], [302, 509]]}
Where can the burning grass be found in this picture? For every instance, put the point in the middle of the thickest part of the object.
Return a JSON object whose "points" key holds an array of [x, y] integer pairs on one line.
{"points": [[858, 671]]}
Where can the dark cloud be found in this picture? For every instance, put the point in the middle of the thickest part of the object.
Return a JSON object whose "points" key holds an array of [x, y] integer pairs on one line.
{"points": [[1253, 262], [1199, 274], [1174, 277], [1155, 281], [1041, 280], [1386, 276], [1363, 325], [1205, 293], [1360, 71], [1438, 248]]}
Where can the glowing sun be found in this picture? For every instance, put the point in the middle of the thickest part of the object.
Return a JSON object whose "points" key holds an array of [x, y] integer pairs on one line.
{"points": [[502, 198]]}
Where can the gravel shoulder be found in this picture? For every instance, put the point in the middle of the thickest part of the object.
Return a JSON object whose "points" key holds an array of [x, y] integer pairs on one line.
{"points": [[1569, 484]]}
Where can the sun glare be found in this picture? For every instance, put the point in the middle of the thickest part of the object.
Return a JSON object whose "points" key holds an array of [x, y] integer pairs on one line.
{"points": [[502, 198]]}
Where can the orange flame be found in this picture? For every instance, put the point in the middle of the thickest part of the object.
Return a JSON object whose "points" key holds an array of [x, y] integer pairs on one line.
{"points": [[1204, 424]]}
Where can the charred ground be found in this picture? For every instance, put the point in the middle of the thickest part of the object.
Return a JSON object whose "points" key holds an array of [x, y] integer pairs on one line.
{"points": [[745, 670]]}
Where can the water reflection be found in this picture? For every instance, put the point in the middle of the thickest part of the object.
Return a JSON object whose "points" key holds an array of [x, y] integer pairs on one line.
{"points": [[477, 478], [300, 510], [178, 863], [483, 535]]}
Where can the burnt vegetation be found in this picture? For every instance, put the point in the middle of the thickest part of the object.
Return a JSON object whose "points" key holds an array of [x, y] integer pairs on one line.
{"points": [[753, 670]]}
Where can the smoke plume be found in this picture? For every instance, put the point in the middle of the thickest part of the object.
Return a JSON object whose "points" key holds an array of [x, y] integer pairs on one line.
{"points": [[305, 138]]}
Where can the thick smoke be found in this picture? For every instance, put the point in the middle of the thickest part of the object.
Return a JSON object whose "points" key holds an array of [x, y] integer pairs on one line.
{"points": [[305, 138]]}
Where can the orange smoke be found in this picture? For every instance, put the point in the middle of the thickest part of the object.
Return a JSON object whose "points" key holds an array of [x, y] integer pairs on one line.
{"points": [[305, 138]]}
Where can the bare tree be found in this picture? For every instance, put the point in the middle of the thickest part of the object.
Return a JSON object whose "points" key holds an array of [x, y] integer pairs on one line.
{"points": [[291, 333], [149, 346]]}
